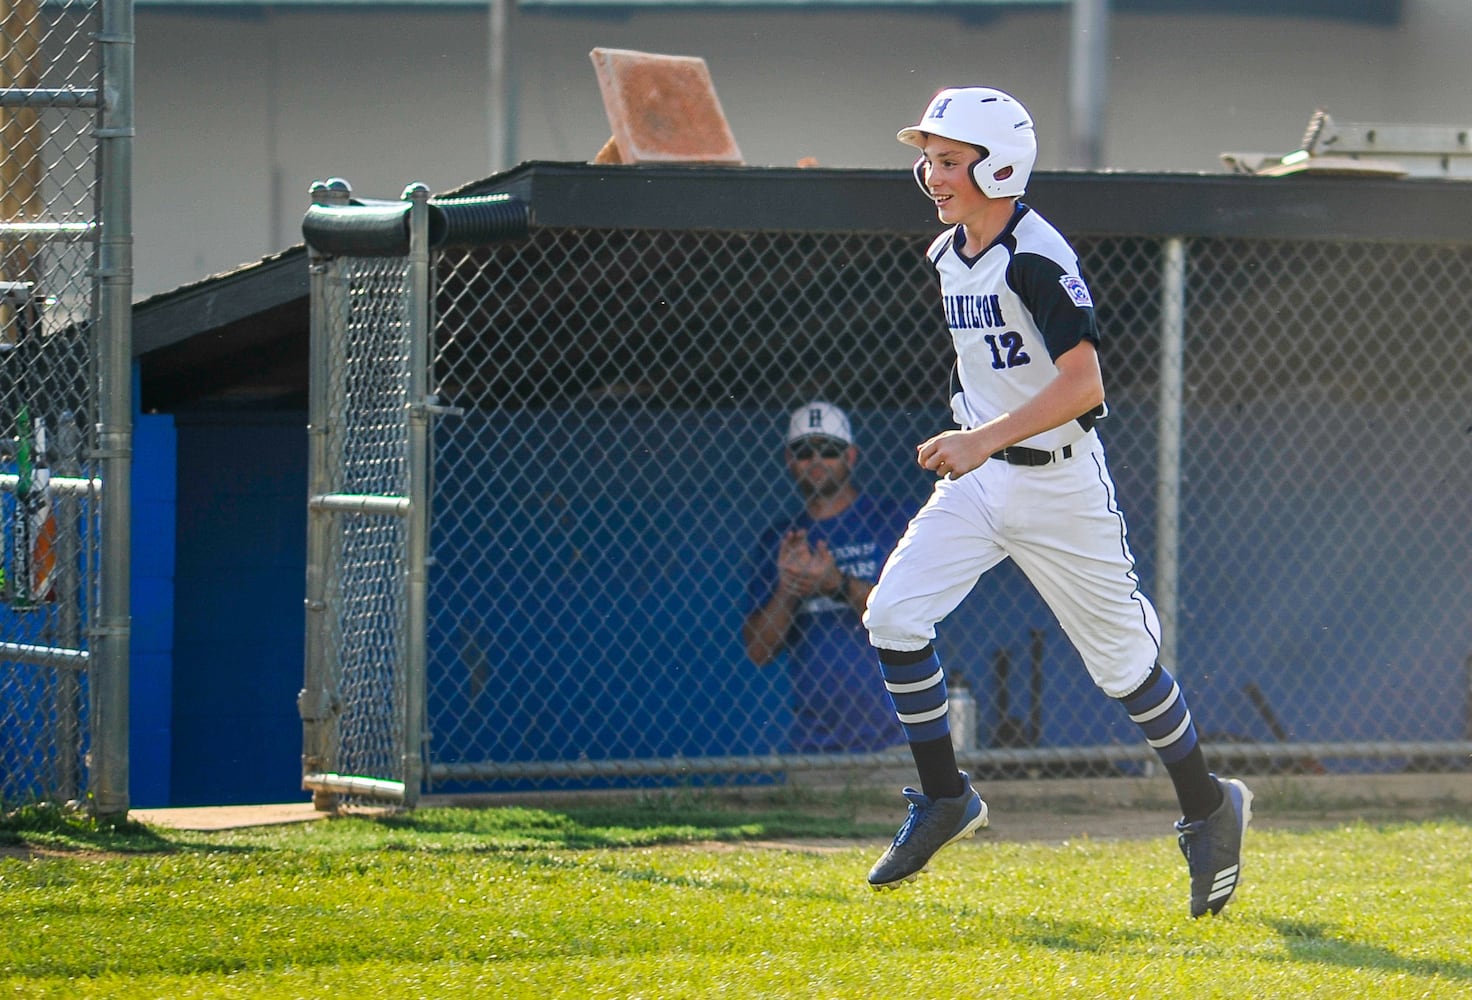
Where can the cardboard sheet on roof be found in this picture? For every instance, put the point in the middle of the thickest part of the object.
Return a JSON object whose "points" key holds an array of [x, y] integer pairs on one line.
{"points": [[662, 109]]}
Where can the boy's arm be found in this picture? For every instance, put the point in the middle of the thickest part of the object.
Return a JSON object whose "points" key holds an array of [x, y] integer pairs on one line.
{"points": [[1077, 389]]}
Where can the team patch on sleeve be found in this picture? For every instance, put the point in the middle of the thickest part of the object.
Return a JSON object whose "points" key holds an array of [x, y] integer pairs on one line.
{"points": [[1077, 290]]}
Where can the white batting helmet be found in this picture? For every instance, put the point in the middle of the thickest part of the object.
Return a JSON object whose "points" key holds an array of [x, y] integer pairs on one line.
{"points": [[986, 118]]}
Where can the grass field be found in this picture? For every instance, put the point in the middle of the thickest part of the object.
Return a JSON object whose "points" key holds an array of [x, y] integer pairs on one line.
{"points": [[677, 895]]}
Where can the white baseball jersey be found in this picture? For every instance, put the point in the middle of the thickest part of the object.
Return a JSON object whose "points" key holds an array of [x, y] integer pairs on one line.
{"points": [[1011, 311]]}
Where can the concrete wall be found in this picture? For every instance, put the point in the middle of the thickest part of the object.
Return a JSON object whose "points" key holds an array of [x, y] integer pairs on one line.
{"points": [[240, 109]]}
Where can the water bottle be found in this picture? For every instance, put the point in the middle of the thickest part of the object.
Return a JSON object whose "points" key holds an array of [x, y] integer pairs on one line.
{"points": [[963, 715]]}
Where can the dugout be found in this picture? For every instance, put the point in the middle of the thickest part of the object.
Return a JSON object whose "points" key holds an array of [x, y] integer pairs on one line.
{"points": [[656, 309]]}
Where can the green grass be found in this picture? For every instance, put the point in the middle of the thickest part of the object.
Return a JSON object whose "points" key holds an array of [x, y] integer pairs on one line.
{"points": [[671, 897]]}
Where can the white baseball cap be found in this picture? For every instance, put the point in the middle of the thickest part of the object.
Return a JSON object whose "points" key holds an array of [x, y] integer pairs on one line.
{"points": [[819, 419]]}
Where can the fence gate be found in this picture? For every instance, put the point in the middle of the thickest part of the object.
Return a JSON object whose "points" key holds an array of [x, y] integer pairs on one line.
{"points": [[362, 704], [66, 83]]}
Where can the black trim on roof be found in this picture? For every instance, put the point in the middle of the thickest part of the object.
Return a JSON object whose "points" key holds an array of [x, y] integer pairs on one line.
{"points": [[219, 300], [1420, 210]]}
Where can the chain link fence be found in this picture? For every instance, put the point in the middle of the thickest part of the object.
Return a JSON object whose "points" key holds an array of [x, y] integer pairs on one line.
{"points": [[64, 295], [1289, 435], [362, 464], [370, 410]]}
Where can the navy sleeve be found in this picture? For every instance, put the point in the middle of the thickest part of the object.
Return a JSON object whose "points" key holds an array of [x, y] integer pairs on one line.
{"points": [[1041, 284]]}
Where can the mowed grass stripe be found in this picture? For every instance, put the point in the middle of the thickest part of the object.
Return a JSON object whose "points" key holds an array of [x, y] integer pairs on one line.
{"points": [[474, 902]]}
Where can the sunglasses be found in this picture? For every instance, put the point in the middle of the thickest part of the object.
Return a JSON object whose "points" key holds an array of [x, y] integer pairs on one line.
{"points": [[817, 449]]}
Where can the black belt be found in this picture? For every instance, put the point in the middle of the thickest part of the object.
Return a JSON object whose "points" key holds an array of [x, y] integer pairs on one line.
{"points": [[1018, 455]]}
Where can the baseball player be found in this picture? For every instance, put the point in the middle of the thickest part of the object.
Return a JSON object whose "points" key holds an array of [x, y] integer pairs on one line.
{"points": [[812, 573], [1024, 477]]}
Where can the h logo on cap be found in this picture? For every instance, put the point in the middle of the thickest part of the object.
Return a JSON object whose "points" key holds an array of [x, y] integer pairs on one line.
{"points": [[817, 418], [940, 108]]}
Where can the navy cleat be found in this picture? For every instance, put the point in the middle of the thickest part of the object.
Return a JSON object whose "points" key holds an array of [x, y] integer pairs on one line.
{"points": [[1213, 848], [931, 825]]}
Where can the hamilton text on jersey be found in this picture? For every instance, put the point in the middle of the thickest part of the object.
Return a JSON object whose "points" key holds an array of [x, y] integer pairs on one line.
{"points": [[973, 312]]}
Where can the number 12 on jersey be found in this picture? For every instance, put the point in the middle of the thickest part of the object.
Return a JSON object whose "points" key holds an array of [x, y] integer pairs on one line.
{"points": [[1007, 350]]}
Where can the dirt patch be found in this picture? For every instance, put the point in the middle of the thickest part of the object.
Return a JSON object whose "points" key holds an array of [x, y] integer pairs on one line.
{"points": [[1133, 808], [227, 817], [32, 852], [1042, 810], [1059, 811]]}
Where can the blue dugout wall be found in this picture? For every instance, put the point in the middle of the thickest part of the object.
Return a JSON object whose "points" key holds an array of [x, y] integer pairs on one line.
{"points": [[238, 620], [235, 734], [674, 566], [678, 564]]}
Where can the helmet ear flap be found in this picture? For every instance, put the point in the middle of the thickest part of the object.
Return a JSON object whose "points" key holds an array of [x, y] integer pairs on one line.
{"points": [[978, 175], [919, 171], [979, 172]]}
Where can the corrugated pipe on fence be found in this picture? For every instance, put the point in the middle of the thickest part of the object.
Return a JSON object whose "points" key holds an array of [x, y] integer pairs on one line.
{"points": [[368, 228]]}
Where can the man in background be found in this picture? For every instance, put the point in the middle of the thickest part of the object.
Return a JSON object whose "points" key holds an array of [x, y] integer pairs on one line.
{"points": [[812, 575]]}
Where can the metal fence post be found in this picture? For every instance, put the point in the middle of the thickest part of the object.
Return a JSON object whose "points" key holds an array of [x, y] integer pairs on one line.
{"points": [[417, 543], [109, 777], [319, 702], [69, 616], [1168, 475]]}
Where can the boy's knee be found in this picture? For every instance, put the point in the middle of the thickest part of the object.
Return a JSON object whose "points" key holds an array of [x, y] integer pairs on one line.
{"points": [[878, 614], [890, 628]]}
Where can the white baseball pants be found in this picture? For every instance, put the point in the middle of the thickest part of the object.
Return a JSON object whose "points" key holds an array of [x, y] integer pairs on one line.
{"points": [[1062, 526]]}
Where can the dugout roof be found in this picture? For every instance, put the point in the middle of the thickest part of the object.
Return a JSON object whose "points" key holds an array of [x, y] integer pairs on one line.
{"points": [[240, 339]]}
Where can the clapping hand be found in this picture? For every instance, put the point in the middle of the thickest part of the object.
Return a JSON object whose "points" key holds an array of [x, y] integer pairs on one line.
{"points": [[805, 571]]}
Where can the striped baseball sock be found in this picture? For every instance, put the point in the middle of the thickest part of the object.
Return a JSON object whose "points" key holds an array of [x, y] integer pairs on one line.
{"points": [[1159, 708], [917, 686]]}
